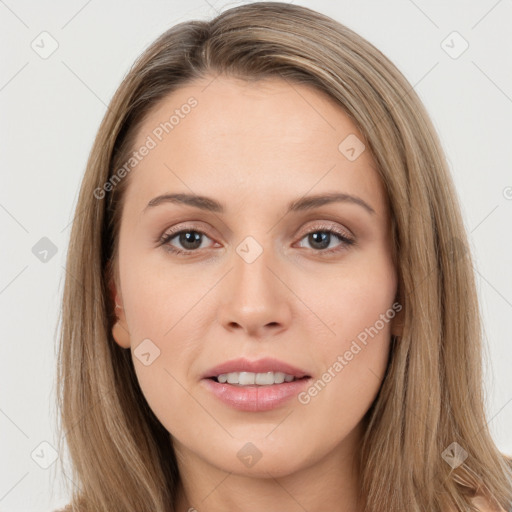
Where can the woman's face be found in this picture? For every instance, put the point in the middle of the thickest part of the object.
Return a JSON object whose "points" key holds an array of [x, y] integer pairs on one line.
{"points": [[266, 272]]}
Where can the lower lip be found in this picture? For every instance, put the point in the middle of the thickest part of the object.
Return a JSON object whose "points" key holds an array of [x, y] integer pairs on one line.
{"points": [[256, 398]]}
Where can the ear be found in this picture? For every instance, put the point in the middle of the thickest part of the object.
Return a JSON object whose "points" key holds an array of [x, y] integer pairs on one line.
{"points": [[120, 331]]}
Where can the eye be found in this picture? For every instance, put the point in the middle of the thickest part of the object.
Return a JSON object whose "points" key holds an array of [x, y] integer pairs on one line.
{"points": [[189, 239], [321, 237]]}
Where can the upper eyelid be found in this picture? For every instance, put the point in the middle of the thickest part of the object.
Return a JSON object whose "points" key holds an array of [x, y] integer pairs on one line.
{"points": [[325, 224]]}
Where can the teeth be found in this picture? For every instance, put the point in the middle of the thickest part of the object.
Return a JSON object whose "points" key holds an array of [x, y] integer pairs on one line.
{"points": [[250, 378]]}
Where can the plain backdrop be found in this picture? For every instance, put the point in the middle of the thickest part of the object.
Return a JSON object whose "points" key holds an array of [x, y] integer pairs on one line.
{"points": [[456, 54]]}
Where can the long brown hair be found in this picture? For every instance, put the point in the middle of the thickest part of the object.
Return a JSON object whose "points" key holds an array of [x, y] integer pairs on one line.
{"points": [[121, 456]]}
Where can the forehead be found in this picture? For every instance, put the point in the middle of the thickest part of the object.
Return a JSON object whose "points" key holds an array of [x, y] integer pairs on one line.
{"points": [[234, 139]]}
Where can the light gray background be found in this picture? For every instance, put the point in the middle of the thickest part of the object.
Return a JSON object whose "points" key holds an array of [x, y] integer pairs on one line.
{"points": [[51, 109]]}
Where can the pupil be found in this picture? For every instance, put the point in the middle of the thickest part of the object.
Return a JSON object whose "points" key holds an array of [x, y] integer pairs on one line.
{"points": [[324, 239], [190, 242]]}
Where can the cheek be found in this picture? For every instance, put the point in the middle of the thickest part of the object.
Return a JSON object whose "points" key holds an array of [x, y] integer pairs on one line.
{"points": [[156, 292], [358, 308], [354, 298]]}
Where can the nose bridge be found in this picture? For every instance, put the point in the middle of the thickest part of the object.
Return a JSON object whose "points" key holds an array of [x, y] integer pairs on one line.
{"points": [[254, 297], [252, 277]]}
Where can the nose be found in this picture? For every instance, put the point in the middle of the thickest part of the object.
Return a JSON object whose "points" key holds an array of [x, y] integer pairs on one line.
{"points": [[256, 299]]}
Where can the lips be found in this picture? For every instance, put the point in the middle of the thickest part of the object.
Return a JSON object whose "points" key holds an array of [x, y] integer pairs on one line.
{"points": [[258, 366], [256, 398]]}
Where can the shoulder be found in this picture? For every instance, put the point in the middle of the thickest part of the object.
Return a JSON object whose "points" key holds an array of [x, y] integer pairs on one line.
{"points": [[483, 505]]}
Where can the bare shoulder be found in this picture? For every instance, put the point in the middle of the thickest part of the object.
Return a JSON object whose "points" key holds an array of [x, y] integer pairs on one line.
{"points": [[483, 505]]}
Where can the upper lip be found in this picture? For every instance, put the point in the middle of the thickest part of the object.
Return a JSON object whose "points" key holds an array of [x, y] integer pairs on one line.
{"points": [[266, 364]]}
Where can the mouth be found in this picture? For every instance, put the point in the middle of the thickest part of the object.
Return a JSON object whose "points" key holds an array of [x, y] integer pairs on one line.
{"points": [[260, 372], [257, 385], [256, 392], [242, 379]]}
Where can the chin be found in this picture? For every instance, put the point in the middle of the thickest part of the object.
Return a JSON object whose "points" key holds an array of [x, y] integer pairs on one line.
{"points": [[262, 457]]}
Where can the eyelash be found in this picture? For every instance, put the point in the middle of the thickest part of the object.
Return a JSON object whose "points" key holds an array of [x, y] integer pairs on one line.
{"points": [[346, 242]]}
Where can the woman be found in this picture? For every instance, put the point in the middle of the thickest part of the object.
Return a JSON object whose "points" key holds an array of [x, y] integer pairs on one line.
{"points": [[269, 304]]}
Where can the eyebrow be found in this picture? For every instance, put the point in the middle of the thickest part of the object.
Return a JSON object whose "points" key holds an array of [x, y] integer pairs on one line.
{"points": [[304, 203]]}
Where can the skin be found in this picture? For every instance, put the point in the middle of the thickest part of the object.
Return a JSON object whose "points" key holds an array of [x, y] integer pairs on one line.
{"points": [[255, 147]]}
